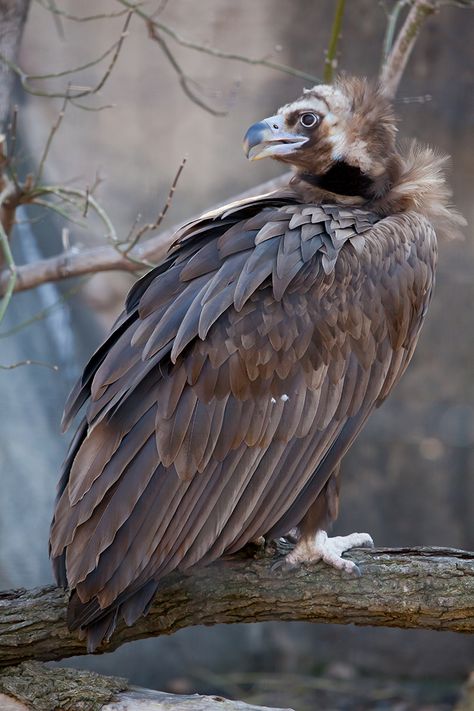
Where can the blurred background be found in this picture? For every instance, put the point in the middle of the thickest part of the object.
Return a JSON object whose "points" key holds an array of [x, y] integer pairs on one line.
{"points": [[409, 479]]}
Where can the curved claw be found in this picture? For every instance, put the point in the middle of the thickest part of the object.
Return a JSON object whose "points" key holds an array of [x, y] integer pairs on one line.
{"points": [[283, 565], [352, 570]]}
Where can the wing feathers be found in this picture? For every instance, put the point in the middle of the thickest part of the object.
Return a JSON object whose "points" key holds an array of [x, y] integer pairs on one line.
{"points": [[237, 378]]}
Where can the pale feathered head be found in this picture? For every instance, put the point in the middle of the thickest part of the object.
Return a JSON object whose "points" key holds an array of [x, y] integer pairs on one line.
{"points": [[339, 137]]}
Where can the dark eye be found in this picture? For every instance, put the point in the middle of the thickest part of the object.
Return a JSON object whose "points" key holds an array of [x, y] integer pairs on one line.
{"points": [[309, 120]]}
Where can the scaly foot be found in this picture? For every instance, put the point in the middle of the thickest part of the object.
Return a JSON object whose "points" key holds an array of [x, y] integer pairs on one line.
{"points": [[321, 547]]}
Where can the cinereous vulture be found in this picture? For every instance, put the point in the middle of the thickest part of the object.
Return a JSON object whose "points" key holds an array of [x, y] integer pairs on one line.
{"points": [[245, 364]]}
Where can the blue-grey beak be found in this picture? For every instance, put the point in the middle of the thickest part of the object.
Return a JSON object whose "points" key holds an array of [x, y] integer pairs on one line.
{"points": [[270, 138]]}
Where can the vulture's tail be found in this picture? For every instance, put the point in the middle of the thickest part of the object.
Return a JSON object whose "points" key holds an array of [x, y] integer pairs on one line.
{"points": [[97, 625]]}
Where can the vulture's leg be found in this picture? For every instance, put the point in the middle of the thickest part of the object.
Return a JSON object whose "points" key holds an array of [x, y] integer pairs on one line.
{"points": [[314, 543]]}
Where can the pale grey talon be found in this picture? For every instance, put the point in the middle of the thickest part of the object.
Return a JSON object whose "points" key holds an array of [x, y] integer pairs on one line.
{"points": [[353, 572], [329, 550]]}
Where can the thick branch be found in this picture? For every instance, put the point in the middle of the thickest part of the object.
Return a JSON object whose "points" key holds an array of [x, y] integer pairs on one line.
{"points": [[430, 588]]}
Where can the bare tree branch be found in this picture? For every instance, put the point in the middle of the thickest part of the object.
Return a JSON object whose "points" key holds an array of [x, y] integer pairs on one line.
{"points": [[72, 92], [11, 270], [106, 258], [394, 66], [81, 18], [184, 80], [132, 239], [54, 129], [20, 363], [33, 685], [43, 313], [430, 588], [213, 51]]}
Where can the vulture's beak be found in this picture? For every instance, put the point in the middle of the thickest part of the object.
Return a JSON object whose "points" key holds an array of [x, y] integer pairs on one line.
{"points": [[270, 138]]}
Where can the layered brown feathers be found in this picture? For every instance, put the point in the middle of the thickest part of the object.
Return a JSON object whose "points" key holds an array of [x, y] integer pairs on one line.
{"points": [[239, 374]]}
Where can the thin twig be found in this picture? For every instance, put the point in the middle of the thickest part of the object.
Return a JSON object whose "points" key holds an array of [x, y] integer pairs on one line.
{"points": [[183, 79], [83, 107], [11, 266], [213, 51], [155, 225], [44, 313], [58, 210], [12, 134], [330, 62], [52, 7], [76, 18], [52, 133], [67, 194], [114, 58], [86, 202], [12, 366], [26, 78]]}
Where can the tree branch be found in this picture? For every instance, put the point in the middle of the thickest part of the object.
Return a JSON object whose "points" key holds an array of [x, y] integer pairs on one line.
{"points": [[394, 66], [430, 588], [107, 258], [213, 51], [80, 92], [33, 685]]}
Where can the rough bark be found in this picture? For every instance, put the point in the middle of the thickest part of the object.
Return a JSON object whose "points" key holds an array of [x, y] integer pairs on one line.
{"points": [[431, 588], [32, 685]]}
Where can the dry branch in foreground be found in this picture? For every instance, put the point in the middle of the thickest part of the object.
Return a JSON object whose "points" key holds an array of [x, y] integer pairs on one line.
{"points": [[32, 685], [430, 588]]}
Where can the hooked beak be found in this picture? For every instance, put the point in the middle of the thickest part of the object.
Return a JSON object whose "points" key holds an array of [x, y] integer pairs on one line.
{"points": [[269, 138]]}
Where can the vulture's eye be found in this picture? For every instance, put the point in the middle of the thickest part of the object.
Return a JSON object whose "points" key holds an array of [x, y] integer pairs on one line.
{"points": [[308, 120]]}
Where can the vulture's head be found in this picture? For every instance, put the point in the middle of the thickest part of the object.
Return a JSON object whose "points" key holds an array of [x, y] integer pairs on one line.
{"points": [[340, 138]]}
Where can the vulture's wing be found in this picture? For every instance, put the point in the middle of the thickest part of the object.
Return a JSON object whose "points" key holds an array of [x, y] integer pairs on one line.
{"points": [[235, 381]]}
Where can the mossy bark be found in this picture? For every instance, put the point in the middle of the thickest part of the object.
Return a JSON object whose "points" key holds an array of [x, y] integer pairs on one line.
{"points": [[32, 685]]}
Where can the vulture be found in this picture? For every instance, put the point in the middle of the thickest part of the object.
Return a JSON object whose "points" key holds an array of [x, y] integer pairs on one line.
{"points": [[246, 363]]}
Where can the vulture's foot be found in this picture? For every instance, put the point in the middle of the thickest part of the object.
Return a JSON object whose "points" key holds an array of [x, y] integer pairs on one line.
{"points": [[321, 547]]}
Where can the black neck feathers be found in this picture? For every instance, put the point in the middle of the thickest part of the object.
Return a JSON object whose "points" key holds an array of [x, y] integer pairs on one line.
{"points": [[342, 179]]}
